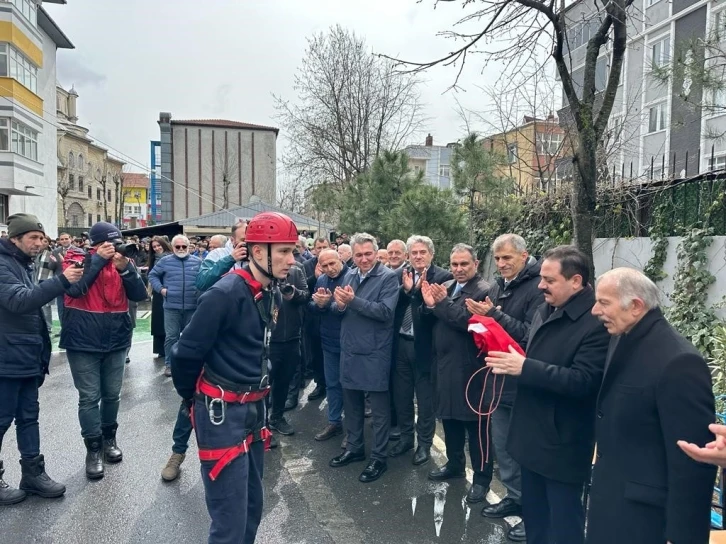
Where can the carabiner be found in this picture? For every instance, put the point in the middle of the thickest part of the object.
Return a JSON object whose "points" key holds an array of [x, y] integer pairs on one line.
{"points": [[213, 418]]}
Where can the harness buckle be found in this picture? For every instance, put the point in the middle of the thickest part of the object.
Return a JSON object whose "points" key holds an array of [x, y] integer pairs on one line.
{"points": [[265, 381], [215, 419]]}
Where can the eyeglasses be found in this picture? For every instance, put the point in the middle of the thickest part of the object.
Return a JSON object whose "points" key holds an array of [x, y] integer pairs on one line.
{"points": [[180, 247]]}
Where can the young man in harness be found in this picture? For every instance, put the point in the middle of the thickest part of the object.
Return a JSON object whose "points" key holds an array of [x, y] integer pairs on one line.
{"points": [[221, 367]]}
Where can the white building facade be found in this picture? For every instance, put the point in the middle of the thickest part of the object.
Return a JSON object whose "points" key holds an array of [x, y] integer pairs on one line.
{"points": [[29, 40]]}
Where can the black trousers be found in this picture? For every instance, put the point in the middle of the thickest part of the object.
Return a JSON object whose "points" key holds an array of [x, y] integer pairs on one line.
{"points": [[455, 432], [409, 380], [284, 360], [552, 511], [19, 402], [354, 406]]}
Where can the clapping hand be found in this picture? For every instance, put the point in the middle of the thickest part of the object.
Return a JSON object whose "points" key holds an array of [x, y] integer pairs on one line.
{"points": [[322, 297], [479, 308], [439, 292], [343, 295]]}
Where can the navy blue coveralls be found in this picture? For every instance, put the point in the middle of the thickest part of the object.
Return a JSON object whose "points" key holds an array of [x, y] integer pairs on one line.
{"points": [[225, 345]]}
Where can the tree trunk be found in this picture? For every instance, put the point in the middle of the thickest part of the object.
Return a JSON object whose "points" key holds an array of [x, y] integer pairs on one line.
{"points": [[584, 198]]}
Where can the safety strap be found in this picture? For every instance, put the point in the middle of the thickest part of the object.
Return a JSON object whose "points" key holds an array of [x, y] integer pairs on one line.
{"points": [[216, 392], [268, 315], [224, 456]]}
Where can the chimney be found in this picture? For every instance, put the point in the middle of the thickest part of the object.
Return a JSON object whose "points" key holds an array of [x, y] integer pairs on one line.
{"points": [[164, 117], [429, 141], [72, 107]]}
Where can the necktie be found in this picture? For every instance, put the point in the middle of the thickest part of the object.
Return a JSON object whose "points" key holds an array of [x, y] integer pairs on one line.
{"points": [[457, 290], [407, 324]]}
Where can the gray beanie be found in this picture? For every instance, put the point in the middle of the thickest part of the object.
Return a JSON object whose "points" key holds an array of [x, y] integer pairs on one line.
{"points": [[20, 223]]}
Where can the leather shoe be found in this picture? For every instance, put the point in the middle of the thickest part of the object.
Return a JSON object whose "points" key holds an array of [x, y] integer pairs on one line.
{"points": [[401, 447], [317, 393], [446, 473], [477, 493], [506, 507], [373, 471], [329, 432], [422, 455], [346, 458], [517, 533]]}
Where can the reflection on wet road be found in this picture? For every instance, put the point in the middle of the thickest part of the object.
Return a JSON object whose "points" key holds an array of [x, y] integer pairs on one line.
{"points": [[306, 501]]}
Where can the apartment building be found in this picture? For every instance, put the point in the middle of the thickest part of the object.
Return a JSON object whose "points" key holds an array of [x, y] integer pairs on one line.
{"points": [[658, 126], [433, 160], [29, 39]]}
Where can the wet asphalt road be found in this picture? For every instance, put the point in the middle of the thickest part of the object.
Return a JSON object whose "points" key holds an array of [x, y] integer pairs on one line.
{"points": [[305, 500]]}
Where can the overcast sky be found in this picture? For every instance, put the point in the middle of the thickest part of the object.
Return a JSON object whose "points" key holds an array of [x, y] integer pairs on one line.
{"points": [[225, 58]]}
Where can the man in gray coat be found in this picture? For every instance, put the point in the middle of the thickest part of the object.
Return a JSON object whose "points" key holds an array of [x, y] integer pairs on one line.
{"points": [[368, 301]]}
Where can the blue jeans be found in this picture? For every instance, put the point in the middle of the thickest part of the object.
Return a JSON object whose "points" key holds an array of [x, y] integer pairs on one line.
{"points": [[331, 363], [98, 377], [19, 402], [174, 323], [182, 431]]}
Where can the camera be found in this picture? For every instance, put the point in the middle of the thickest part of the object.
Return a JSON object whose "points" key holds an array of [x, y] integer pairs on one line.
{"points": [[127, 250], [286, 289], [78, 264]]}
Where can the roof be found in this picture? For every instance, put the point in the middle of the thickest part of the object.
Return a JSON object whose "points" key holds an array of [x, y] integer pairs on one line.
{"points": [[50, 27], [226, 218], [135, 180], [222, 123]]}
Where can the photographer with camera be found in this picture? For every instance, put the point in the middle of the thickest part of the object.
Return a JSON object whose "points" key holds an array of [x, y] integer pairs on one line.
{"points": [[96, 335]]}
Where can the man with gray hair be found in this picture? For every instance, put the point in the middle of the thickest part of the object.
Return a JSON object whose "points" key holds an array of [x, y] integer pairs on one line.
{"points": [[412, 351], [217, 241], [656, 390], [367, 299], [512, 301], [397, 254]]}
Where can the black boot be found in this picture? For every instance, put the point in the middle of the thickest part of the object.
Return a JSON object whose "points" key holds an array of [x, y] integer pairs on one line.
{"points": [[8, 495], [36, 482], [94, 457], [111, 451]]}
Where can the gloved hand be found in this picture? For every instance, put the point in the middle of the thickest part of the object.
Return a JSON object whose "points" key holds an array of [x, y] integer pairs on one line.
{"points": [[186, 407]]}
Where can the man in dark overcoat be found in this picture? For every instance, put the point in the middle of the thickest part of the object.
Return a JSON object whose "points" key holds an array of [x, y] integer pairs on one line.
{"points": [[367, 301], [412, 351], [551, 434], [656, 390], [456, 359]]}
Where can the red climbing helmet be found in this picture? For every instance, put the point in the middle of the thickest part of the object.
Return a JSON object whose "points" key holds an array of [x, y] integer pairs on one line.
{"points": [[271, 228]]}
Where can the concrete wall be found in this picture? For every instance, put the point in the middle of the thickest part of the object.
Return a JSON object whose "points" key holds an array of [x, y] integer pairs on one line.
{"points": [[199, 156]]}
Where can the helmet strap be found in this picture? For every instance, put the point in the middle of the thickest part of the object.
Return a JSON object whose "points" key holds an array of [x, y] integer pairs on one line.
{"points": [[267, 273]]}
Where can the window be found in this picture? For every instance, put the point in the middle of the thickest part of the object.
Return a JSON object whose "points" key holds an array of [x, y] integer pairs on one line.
{"points": [[4, 208], [137, 209], [71, 160], [13, 64], [25, 141], [71, 182], [4, 135], [28, 10], [74, 221], [98, 175], [718, 27], [444, 171], [108, 196], [98, 218], [601, 74], [657, 118], [548, 143], [416, 168], [512, 153], [660, 53], [90, 219], [80, 182], [80, 162], [98, 194], [127, 209], [718, 101], [649, 3], [717, 163], [90, 191]]}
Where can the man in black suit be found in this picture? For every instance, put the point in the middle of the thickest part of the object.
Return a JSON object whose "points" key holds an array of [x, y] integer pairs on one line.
{"points": [[551, 433], [456, 359], [412, 351], [656, 389]]}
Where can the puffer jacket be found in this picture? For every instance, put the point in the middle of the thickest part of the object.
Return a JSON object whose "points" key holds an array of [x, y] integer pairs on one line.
{"points": [[96, 315], [24, 340], [178, 276]]}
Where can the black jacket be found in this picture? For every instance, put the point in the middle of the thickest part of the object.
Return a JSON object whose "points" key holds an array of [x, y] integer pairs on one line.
{"points": [[290, 318], [24, 340], [455, 355], [226, 333], [656, 391], [519, 301], [552, 427], [422, 328]]}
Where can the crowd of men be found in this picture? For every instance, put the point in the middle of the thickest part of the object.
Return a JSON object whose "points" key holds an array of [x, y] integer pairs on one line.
{"points": [[531, 367]]}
